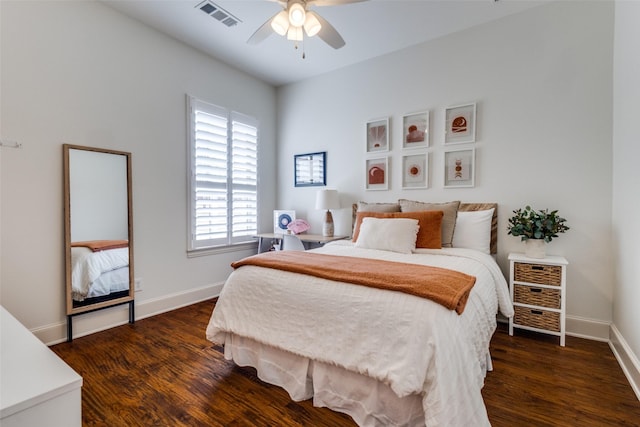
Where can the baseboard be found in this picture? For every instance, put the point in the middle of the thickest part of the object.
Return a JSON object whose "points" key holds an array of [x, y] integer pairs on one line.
{"points": [[627, 360], [171, 302], [101, 320], [591, 329]]}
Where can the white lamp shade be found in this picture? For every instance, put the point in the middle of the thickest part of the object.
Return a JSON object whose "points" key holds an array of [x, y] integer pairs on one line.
{"points": [[296, 15], [311, 25], [294, 33], [280, 23], [327, 199]]}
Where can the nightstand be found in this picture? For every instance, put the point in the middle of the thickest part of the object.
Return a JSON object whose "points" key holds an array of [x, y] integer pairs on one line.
{"points": [[538, 291]]}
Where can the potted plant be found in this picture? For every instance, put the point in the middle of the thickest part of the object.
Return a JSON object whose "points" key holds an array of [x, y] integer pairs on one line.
{"points": [[536, 227]]}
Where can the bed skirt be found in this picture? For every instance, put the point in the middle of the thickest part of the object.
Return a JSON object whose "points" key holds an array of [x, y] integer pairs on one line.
{"points": [[369, 402]]}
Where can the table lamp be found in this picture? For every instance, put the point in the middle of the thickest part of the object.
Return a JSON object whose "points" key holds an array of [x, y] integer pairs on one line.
{"points": [[327, 199]]}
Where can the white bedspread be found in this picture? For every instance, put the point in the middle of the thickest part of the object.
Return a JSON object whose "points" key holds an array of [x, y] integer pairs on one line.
{"points": [[412, 344], [87, 266]]}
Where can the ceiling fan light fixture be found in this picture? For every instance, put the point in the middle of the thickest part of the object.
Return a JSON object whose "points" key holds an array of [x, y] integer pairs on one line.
{"points": [[280, 23], [297, 15], [294, 33], [312, 25], [294, 21]]}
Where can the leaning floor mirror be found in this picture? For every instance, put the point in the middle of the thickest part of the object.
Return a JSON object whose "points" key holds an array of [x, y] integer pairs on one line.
{"points": [[98, 231]]}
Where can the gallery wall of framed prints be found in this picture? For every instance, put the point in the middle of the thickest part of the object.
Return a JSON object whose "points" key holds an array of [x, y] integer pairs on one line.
{"points": [[457, 150]]}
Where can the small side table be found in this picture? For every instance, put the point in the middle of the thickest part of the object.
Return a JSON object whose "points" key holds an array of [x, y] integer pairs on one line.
{"points": [[538, 292], [305, 238]]}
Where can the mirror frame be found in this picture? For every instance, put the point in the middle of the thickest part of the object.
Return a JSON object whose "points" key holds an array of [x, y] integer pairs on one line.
{"points": [[71, 310]]}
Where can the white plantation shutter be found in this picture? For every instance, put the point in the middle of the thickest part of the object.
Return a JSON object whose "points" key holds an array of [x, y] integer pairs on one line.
{"points": [[223, 183], [244, 177]]}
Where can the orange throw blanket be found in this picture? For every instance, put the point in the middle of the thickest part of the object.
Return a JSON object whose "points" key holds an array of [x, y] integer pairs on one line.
{"points": [[102, 245], [446, 287]]}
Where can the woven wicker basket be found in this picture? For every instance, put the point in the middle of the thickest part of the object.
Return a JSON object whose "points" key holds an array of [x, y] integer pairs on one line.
{"points": [[538, 273], [543, 297], [541, 319]]}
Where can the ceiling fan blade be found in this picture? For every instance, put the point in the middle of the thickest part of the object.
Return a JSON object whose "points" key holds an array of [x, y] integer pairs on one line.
{"points": [[329, 34], [331, 2], [262, 33]]}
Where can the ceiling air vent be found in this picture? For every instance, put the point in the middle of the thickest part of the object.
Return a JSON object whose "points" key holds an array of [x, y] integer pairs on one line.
{"points": [[218, 13]]}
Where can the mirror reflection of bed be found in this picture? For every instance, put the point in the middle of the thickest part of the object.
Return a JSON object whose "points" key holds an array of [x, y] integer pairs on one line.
{"points": [[98, 230], [99, 271]]}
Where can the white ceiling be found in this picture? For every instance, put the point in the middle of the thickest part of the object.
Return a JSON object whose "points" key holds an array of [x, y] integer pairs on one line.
{"points": [[370, 28]]}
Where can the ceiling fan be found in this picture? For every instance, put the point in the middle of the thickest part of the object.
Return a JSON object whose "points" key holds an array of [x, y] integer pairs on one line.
{"points": [[296, 19]]}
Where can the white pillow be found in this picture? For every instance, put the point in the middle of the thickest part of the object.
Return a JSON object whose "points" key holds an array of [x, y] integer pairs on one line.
{"points": [[388, 234], [473, 230]]}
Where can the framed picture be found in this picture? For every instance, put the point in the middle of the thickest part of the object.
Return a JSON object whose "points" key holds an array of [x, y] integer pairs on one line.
{"points": [[415, 171], [377, 174], [459, 168], [415, 130], [281, 219], [378, 135], [310, 170], [460, 124]]}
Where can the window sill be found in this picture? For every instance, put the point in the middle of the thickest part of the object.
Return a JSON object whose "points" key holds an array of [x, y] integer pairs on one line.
{"points": [[194, 253]]}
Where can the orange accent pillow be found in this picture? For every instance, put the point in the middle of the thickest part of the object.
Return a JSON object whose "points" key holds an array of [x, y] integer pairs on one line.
{"points": [[430, 222]]}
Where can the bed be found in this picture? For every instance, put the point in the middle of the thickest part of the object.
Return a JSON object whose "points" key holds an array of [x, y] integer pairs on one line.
{"points": [[386, 358], [99, 269]]}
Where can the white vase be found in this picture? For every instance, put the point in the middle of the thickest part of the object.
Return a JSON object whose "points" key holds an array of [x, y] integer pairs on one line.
{"points": [[534, 248]]}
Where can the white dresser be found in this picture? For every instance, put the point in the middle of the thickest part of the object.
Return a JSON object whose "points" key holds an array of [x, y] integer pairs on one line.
{"points": [[37, 388]]}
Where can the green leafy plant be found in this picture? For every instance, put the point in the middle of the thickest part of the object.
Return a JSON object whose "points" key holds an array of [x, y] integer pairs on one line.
{"points": [[541, 224]]}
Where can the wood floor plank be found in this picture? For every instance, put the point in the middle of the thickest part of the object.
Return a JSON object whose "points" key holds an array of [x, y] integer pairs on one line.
{"points": [[161, 371], [548, 385]]}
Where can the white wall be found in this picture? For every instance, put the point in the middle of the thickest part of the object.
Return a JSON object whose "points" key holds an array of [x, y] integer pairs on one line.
{"points": [[82, 73], [543, 83], [626, 199]]}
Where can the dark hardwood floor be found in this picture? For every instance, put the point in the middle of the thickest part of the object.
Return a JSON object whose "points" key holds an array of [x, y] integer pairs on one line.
{"points": [[161, 371], [535, 382]]}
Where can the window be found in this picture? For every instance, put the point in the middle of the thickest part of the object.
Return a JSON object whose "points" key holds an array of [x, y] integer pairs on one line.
{"points": [[223, 183]]}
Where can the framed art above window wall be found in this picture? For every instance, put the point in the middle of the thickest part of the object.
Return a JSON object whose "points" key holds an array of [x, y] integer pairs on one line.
{"points": [[310, 170]]}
